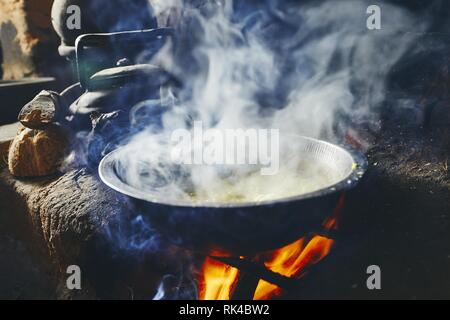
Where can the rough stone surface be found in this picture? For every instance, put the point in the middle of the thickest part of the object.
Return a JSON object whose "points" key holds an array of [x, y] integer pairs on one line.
{"points": [[22, 275], [399, 219], [27, 38], [75, 220]]}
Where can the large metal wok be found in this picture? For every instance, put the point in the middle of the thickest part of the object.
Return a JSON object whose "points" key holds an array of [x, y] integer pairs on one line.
{"points": [[250, 227]]}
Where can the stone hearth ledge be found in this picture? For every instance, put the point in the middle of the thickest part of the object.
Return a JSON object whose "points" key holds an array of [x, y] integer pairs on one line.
{"points": [[66, 219]]}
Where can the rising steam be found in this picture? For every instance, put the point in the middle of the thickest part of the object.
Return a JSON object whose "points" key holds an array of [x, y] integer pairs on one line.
{"points": [[310, 69], [304, 67]]}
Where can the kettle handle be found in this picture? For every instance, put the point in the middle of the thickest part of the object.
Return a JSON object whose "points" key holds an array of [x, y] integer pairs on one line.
{"points": [[113, 44]]}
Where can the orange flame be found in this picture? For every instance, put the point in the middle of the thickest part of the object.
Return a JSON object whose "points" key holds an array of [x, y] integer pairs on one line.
{"points": [[293, 261], [218, 280]]}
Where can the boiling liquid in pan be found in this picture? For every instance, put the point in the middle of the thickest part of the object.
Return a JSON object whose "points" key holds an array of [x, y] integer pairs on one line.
{"points": [[212, 185], [255, 187], [305, 167]]}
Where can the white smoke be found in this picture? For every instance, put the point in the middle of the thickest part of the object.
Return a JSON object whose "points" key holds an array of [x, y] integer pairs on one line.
{"points": [[309, 69], [325, 57], [347, 67]]}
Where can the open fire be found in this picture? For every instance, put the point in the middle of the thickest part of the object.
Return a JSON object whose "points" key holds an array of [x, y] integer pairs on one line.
{"points": [[219, 280], [293, 261]]}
